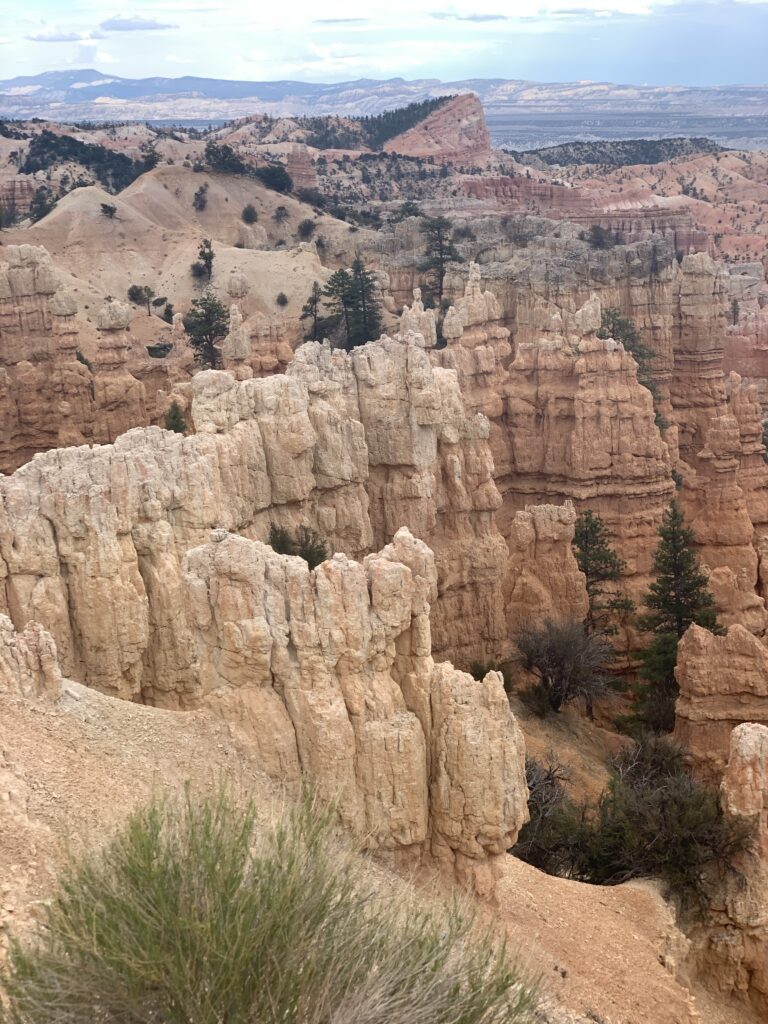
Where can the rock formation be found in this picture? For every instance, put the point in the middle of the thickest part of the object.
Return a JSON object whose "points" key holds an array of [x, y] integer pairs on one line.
{"points": [[49, 397], [723, 682], [328, 675], [543, 580], [455, 132], [561, 372], [569, 420], [29, 665], [354, 445], [734, 954]]}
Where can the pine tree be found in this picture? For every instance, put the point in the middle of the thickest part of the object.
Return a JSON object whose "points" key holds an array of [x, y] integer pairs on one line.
{"points": [[206, 323], [678, 597], [206, 256], [366, 317], [339, 291], [312, 311], [174, 418], [439, 252], [601, 567]]}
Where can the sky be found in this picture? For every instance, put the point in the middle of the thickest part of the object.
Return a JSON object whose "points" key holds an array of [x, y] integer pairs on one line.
{"points": [[658, 42]]}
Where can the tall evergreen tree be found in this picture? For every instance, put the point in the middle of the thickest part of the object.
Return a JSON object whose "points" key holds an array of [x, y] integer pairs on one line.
{"points": [[602, 568], [366, 318], [339, 293], [678, 597], [439, 251], [206, 323], [312, 310]]}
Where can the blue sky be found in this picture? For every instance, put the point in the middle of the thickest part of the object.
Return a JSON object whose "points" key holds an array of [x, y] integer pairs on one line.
{"points": [[687, 42]]}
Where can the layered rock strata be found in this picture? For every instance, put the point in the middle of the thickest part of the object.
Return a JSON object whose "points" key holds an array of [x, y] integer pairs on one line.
{"points": [[569, 420], [49, 396], [723, 682]]}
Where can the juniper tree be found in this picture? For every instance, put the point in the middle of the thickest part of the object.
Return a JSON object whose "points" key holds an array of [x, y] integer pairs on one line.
{"points": [[206, 323], [206, 256], [319, 324], [174, 418], [569, 662], [339, 293]]}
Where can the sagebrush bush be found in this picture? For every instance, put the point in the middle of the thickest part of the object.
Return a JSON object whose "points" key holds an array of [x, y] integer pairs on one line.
{"points": [[185, 916]]}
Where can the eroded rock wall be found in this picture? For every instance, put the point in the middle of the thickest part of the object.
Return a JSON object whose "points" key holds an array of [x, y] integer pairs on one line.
{"points": [[353, 445], [734, 953], [48, 396], [327, 676], [723, 682]]}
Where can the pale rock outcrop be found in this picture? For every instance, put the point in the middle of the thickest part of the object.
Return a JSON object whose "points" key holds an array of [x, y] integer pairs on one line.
{"points": [[236, 347], [29, 665], [119, 399], [543, 580], [327, 675], [417, 320], [331, 674], [478, 349], [723, 682], [734, 943], [353, 445], [48, 397]]}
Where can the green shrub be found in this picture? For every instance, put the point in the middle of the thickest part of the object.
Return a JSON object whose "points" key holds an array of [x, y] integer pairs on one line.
{"points": [[653, 820], [281, 299], [598, 237], [306, 544], [306, 229], [556, 828], [174, 418], [187, 916], [249, 214]]}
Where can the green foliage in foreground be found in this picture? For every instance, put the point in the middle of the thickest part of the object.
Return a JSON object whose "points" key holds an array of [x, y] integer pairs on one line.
{"points": [[184, 917]]}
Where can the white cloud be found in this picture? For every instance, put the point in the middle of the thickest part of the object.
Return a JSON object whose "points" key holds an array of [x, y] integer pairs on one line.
{"points": [[58, 35], [134, 23]]}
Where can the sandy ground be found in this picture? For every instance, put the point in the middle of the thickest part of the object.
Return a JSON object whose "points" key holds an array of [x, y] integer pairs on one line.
{"points": [[71, 771]]}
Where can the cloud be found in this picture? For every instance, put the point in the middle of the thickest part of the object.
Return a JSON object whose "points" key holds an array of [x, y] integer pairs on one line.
{"points": [[340, 21], [57, 35], [448, 16], [89, 53], [134, 24]]}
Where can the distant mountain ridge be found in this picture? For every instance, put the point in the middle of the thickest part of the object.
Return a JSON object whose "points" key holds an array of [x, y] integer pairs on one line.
{"points": [[521, 114]]}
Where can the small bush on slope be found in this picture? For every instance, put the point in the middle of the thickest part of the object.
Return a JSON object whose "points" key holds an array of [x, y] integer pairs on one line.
{"points": [[184, 917], [653, 820], [306, 543]]}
